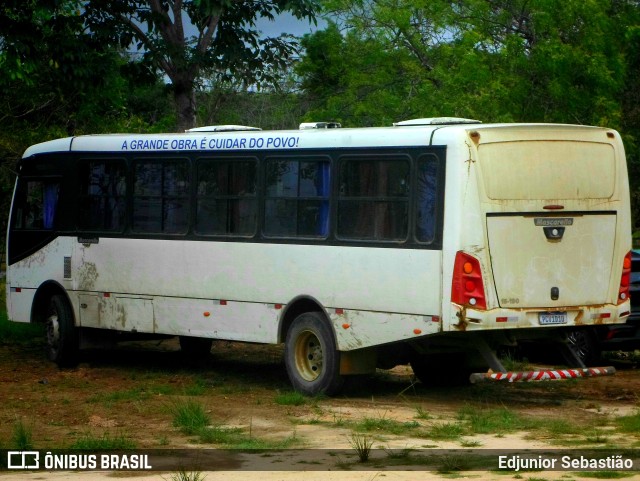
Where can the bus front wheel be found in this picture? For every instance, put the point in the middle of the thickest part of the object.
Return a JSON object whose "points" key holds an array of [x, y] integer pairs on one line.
{"points": [[62, 334], [311, 357]]}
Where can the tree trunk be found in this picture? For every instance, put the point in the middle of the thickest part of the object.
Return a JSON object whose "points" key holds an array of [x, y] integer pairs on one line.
{"points": [[184, 98]]}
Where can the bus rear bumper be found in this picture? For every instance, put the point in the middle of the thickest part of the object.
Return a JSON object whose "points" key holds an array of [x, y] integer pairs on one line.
{"points": [[469, 319]]}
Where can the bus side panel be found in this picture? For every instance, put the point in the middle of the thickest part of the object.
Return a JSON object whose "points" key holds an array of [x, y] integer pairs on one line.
{"points": [[373, 279], [19, 303], [26, 276]]}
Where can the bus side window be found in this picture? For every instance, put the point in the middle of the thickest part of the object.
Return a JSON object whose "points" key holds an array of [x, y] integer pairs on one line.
{"points": [[297, 198], [102, 195], [36, 206], [374, 199], [427, 191], [161, 202], [227, 203]]}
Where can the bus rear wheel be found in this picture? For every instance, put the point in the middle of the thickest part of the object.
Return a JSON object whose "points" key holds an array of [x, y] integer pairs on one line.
{"points": [[62, 334], [311, 357]]}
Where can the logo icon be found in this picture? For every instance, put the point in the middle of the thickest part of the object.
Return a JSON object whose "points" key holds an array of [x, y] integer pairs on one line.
{"points": [[23, 460]]}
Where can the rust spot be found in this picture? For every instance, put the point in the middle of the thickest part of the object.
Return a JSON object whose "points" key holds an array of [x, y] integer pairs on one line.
{"points": [[462, 319], [475, 136], [578, 319]]}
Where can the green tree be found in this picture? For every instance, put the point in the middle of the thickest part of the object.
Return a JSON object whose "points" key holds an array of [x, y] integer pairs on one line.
{"points": [[224, 45], [496, 60]]}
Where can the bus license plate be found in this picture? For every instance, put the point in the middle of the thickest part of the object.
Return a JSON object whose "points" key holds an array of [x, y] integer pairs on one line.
{"points": [[548, 318]]}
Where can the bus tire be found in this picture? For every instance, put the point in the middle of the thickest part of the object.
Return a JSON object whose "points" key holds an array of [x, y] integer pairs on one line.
{"points": [[311, 357], [62, 335], [195, 347], [584, 345]]}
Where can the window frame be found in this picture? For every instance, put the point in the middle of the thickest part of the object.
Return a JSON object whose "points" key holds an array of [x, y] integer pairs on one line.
{"points": [[328, 197], [375, 199], [255, 197], [187, 196], [82, 196]]}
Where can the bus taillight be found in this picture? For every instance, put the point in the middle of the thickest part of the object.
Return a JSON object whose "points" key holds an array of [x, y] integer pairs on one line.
{"points": [[625, 279], [466, 287]]}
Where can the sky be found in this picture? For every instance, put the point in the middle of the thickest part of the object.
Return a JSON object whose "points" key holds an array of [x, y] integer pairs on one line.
{"points": [[287, 23]]}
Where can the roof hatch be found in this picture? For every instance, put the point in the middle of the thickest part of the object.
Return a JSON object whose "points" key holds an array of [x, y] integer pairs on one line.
{"points": [[436, 121], [222, 128]]}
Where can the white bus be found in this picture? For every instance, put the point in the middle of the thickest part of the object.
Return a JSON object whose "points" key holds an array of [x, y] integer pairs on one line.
{"points": [[430, 242]]}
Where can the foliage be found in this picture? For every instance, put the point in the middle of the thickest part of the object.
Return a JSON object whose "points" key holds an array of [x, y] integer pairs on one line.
{"points": [[22, 437], [190, 416], [105, 442], [555, 61], [566, 61], [224, 43], [292, 398], [362, 445]]}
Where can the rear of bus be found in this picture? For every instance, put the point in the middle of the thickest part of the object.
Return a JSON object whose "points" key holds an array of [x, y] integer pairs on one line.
{"points": [[545, 241]]}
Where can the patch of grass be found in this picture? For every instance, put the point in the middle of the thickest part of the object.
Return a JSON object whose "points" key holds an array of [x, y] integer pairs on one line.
{"points": [[198, 388], [104, 443], [446, 431], [470, 443], [492, 421], [596, 437], [453, 462], [560, 427], [184, 475], [402, 454], [630, 423], [264, 444], [290, 398], [362, 444], [22, 436], [22, 333], [421, 413], [190, 416], [515, 363], [218, 434], [384, 425], [606, 474]]}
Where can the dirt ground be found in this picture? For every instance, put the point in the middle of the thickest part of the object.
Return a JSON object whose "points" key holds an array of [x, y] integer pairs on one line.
{"points": [[128, 393]]}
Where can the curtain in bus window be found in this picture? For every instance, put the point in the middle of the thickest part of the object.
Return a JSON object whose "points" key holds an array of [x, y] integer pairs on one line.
{"points": [[373, 199], [322, 183], [227, 203], [37, 203], [426, 198], [297, 203], [50, 205]]}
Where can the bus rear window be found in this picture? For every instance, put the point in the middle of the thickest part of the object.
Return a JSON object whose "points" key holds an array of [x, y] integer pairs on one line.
{"points": [[36, 204], [542, 169]]}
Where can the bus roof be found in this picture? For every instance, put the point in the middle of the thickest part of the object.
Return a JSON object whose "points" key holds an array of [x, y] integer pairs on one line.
{"points": [[403, 134]]}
